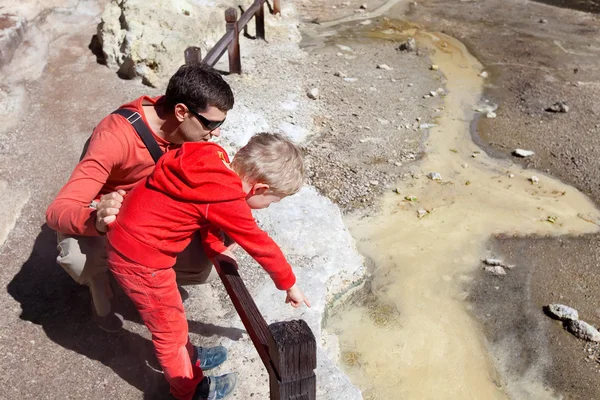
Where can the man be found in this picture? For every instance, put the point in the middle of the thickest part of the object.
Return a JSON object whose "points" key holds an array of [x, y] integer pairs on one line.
{"points": [[115, 159]]}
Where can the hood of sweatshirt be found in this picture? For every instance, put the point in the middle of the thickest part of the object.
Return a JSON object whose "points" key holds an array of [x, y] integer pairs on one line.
{"points": [[197, 172]]}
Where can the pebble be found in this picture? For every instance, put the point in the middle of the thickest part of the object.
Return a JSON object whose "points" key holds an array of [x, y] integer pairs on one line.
{"points": [[434, 67], [409, 45], [345, 48], [374, 183], [558, 107], [384, 67], [434, 176], [491, 114], [427, 126], [313, 93], [492, 261], [366, 22], [465, 165], [496, 271], [511, 175], [523, 153], [350, 79], [563, 312], [422, 212], [534, 179], [484, 74], [583, 330], [543, 21], [363, 6], [340, 74]]}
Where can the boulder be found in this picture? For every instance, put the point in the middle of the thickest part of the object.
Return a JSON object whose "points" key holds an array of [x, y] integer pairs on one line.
{"points": [[139, 41]]}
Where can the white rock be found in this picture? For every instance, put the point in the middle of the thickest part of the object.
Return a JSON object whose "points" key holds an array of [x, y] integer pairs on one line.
{"points": [[350, 79], [344, 48], [434, 67], [409, 45], [139, 41], [465, 165], [427, 126], [434, 176], [583, 330], [374, 183], [496, 271], [313, 93], [563, 312], [511, 175], [421, 213], [492, 261], [363, 6], [534, 179], [484, 74], [523, 153], [491, 114], [366, 22], [384, 67]]}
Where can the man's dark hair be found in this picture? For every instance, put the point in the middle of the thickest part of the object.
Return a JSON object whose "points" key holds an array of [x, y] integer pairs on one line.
{"points": [[198, 86]]}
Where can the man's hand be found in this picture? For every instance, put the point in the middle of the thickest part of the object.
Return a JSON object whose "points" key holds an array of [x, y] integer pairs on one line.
{"points": [[296, 297], [107, 209]]}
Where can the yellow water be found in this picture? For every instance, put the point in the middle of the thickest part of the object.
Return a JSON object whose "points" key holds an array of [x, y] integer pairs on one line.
{"points": [[418, 340]]}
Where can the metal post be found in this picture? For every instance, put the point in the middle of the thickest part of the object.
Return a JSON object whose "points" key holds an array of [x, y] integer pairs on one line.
{"points": [[233, 49], [260, 22], [193, 55], [276, 7]]}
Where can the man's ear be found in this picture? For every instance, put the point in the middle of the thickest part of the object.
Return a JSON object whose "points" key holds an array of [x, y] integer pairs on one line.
{"points": [[260, 188], [180, 111]]}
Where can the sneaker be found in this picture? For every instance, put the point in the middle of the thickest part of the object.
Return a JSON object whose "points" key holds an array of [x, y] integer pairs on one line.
{"points": [[215, 387], [210, 357]]}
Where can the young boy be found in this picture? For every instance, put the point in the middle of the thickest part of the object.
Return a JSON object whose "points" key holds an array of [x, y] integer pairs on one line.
{"points": [[194, 189]]}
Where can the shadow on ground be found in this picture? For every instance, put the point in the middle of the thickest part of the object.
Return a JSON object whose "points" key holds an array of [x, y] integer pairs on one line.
{"points": [[51, 299]]}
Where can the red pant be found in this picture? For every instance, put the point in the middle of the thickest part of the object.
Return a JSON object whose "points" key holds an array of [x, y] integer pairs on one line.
{"points": [[154, 293]]}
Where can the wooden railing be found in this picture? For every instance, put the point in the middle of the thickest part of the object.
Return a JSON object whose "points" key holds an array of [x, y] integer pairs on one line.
{"points": [[287, 349], [230, 41]]}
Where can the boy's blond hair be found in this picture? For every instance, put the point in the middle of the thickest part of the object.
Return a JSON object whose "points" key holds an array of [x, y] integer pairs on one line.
{"points": [[272, 159]]}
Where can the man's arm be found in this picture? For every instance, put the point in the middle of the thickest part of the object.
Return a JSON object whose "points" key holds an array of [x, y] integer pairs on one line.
{"points": [[70, 212]]}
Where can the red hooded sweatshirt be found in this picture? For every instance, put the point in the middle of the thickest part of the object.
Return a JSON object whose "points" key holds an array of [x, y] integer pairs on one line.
{"points": [[191, 189]]}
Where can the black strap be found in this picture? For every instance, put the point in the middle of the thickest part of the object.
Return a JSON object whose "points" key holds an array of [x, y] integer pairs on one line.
{"points": [[136, 120]]}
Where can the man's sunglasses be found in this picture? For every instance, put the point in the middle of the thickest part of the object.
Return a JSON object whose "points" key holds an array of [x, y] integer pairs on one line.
{"points": [[208, 124]]}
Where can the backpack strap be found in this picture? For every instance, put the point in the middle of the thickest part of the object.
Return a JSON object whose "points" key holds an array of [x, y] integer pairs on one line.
{"points": [[136, 120]]}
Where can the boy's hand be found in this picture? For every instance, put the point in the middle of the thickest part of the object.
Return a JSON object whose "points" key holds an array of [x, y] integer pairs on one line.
{"points": [[107, 209], [296, 297]]}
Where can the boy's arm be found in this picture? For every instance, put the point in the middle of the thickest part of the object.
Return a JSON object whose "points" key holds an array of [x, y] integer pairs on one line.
{"points": [[70, 212], [236, 220]]}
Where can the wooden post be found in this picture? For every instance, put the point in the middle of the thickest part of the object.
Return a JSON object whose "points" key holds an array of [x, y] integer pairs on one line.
{"points": [[260, 22], [193, 55], [233, 49], [293, 352], [276, 7]]}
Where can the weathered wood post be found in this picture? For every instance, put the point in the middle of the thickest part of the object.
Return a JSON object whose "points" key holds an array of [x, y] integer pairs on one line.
{"points": [[233, 49], [276, 7], [193, 55], [293, 352], [260, 22]]}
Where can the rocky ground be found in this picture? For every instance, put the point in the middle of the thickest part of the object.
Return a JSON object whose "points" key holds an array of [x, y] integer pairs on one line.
{"points": [[366, 126]]}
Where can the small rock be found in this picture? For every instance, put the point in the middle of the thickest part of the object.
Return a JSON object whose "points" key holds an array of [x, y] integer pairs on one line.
{"points": [[434, 67], [511, 175], [543, 21], [313, 93], [366, 22], [563, 312], [421, 213], [427, 126], [411, 198], [496, 271], [558, 107], [434, 176], [396, 190], [363, 6], [397, 163], [510, 266], [465, 165], [483, 74], [374, 183], [583, 330], [492, 262], [345, 48], [340, 74], [350, 79], [491, 114], [384, 67], [409, 45], [534, 180], [523, 153]]}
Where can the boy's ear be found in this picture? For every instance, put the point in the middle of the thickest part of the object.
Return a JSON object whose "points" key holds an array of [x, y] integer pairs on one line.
{"points": [[260, 188]]}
